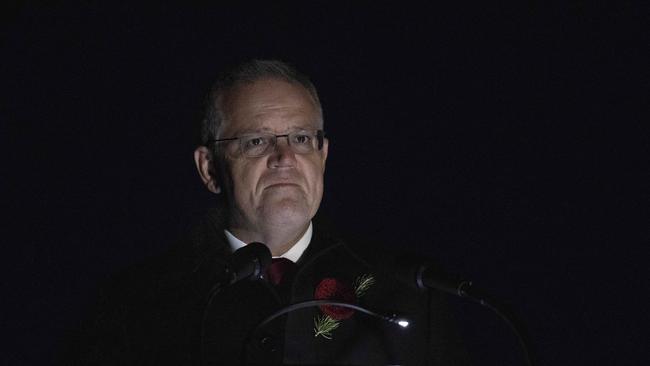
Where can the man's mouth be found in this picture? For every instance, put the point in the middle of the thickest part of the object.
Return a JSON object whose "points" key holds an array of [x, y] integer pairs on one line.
{"points": [[281, 185]]}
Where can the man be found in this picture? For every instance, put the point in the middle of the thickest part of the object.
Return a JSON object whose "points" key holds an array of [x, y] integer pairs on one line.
{"points": [[263, 153]]}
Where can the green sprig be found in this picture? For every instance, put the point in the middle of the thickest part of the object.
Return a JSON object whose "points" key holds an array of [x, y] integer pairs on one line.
{"points": [[362, 284], [324, 325]]}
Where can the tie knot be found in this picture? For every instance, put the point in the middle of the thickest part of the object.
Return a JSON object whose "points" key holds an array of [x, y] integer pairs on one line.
{"points": [[279, 270]]}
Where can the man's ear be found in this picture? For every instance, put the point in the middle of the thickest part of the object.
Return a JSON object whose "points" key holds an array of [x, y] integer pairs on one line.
{"points": [[205, 166], [324, 151]]}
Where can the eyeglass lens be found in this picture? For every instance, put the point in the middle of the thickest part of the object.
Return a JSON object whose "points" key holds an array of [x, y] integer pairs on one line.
{"points": [[261, 144]]}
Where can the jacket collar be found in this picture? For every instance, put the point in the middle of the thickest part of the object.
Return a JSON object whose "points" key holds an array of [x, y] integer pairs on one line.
{"points": [[209, 248]]}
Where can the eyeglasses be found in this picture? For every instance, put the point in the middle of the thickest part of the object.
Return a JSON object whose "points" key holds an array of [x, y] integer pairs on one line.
{"points": [[260, 144]]}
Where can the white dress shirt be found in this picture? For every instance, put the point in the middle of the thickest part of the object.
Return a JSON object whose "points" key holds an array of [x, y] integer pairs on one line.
{"points": [[292, 254]]}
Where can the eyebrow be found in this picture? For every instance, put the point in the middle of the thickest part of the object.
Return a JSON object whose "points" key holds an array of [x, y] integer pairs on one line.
{"points": [[269, 130]]}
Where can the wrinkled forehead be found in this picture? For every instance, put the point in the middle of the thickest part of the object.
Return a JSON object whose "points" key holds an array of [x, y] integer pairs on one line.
{"points": [[269, 105]]}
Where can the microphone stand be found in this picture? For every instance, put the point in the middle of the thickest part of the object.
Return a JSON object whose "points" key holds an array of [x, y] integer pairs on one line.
{"points": [[211, 295], [246, 263], [464, 289], [515, 326], [394, 318]]}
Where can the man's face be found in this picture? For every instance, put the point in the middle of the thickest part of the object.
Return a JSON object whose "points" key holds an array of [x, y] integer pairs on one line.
{"points": [[281, 189]]}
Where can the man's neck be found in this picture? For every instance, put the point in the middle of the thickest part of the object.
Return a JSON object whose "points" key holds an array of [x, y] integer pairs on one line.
{"points": [[278, 240]]}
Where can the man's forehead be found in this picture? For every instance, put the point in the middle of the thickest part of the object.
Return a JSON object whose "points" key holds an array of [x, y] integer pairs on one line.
{"points": [[276, 127], [285, 129], [269, 93], [269, 105]]}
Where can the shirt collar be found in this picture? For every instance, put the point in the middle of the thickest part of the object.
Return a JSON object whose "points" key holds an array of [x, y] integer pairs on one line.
{"points": [[292, 254]]}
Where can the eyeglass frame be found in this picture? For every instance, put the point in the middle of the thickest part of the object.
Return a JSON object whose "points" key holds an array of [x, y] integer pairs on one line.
{"points": [[320, 137]]}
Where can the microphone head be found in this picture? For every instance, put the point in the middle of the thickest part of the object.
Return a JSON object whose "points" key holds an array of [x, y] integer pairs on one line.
{"points": [[249, 261], [413, 272]]}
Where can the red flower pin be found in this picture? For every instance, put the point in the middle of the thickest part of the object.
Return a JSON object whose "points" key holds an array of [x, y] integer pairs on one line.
{"points": [[335, 290]]}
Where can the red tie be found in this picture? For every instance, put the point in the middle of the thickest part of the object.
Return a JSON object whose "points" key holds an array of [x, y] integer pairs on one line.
{"points": [[278, 269]]}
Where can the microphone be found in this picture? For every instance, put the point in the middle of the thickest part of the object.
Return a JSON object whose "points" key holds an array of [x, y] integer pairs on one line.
{"points": [[415, 273], [249, 261], [394, 319], [426, 277]]}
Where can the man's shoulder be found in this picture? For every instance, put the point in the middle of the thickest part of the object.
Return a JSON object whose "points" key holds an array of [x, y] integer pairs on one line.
{"points": [[170, 273], [135, 289]]}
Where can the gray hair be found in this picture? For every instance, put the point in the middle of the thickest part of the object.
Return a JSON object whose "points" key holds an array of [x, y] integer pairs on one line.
{"points": [[245, 73]]}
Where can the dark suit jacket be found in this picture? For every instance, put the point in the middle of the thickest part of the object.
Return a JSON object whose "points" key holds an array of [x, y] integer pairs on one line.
{"points": [[157, 315]]}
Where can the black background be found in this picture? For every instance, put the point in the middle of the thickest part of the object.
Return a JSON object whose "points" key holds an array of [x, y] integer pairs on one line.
{"points": [[503, 140]]}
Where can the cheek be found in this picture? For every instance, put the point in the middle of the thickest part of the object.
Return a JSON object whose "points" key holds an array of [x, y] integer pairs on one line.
{"points": [[315, 176], [245, 177]]}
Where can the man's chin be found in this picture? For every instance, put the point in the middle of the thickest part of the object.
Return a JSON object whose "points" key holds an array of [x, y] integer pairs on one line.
{"points": [[286, 213]]}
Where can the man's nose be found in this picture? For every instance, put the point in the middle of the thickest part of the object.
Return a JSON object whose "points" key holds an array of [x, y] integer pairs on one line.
{"points": [[282, 154]]}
